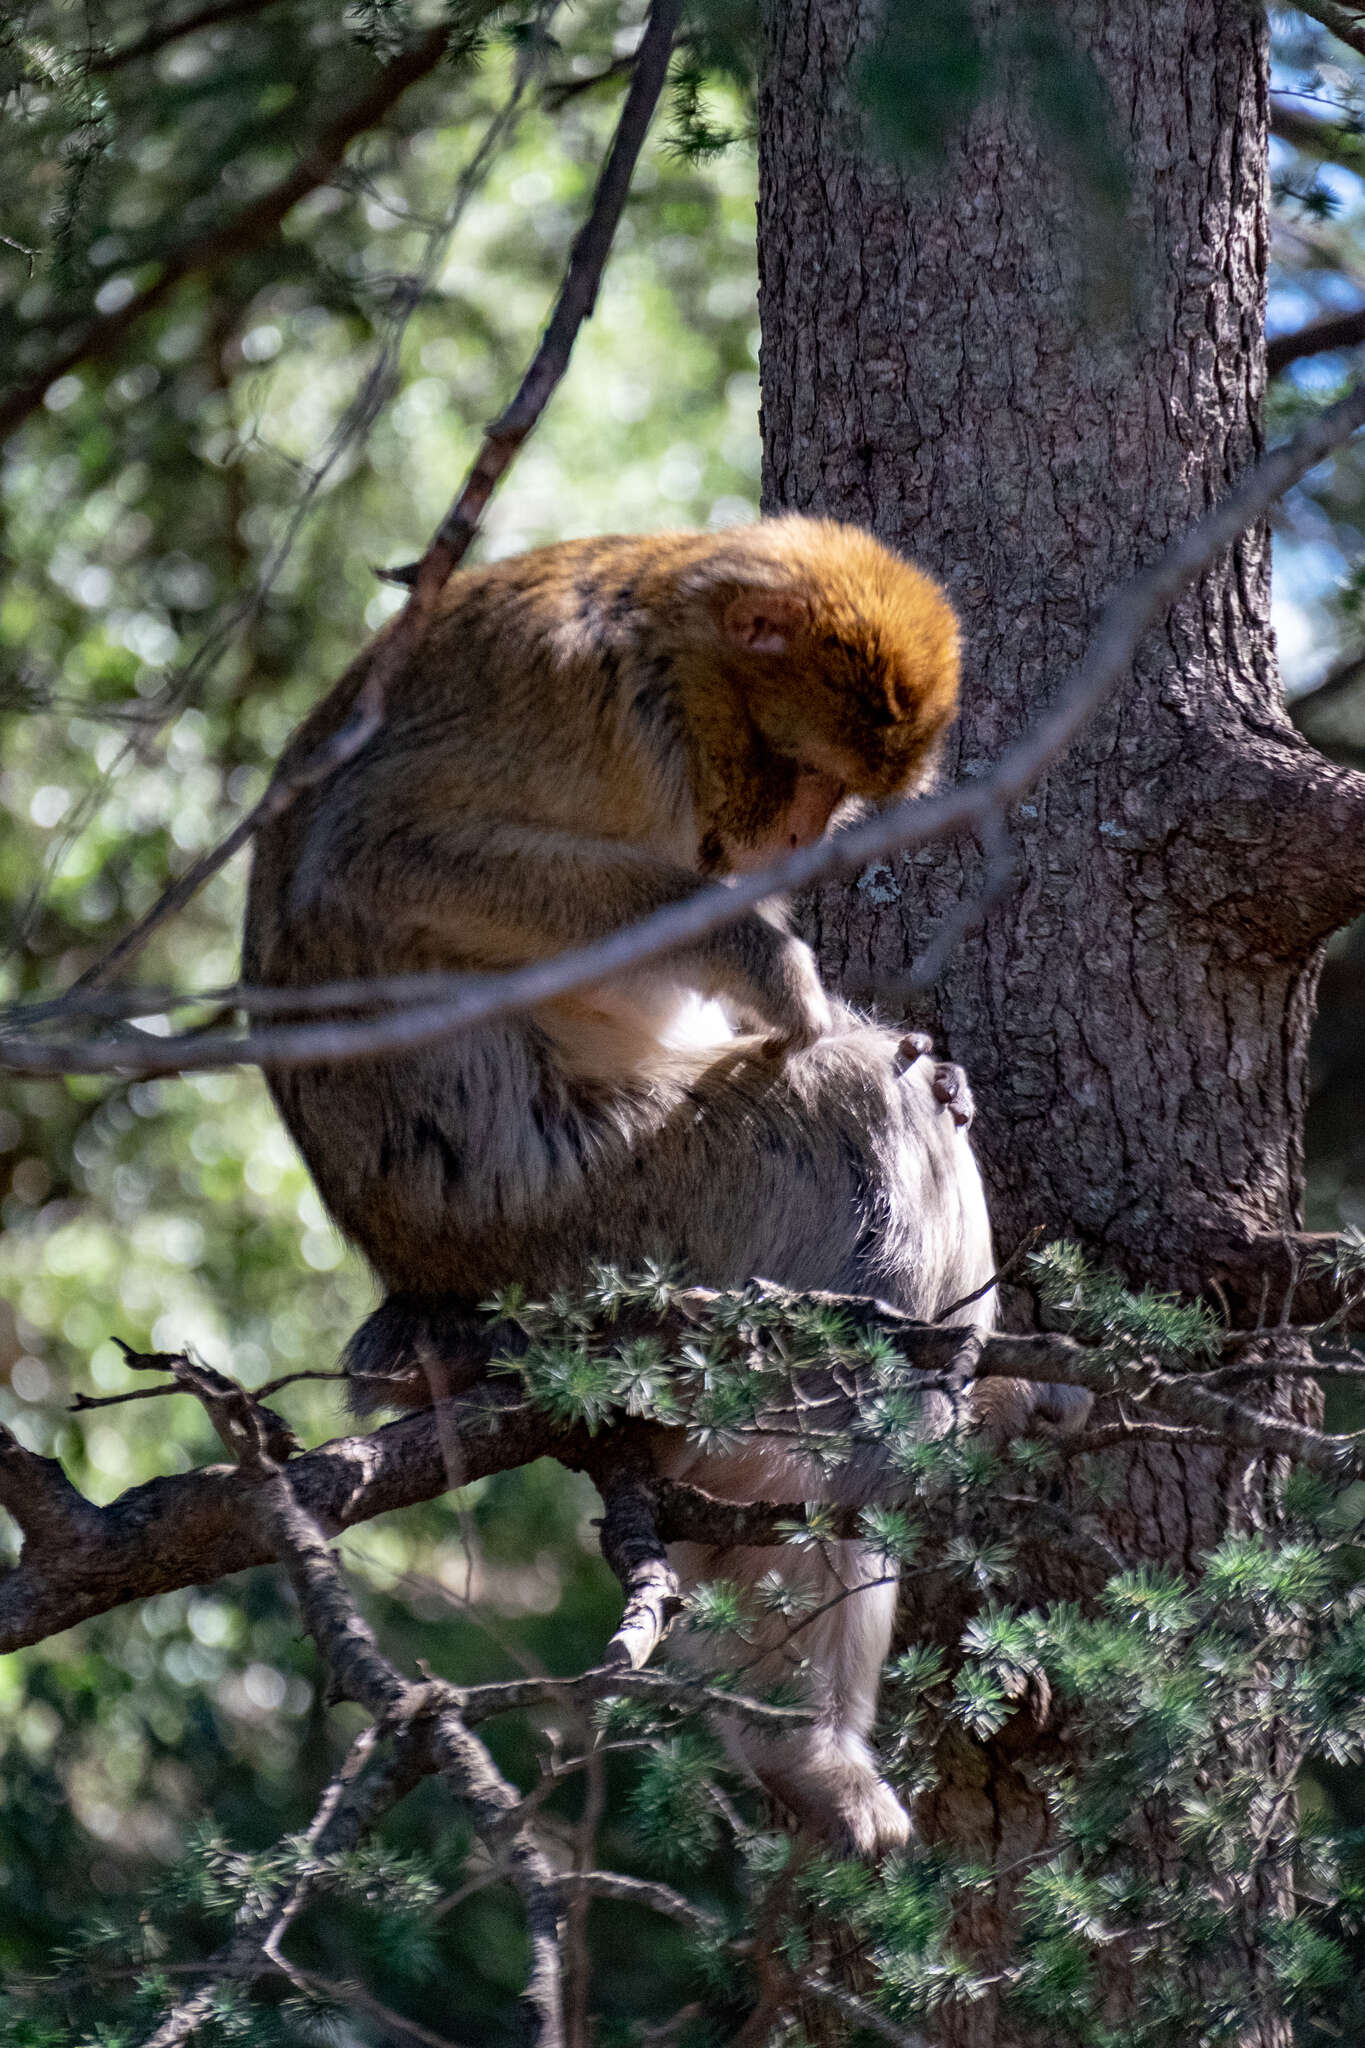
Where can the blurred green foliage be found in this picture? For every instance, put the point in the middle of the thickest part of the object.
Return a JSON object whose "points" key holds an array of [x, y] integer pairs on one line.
{"points": [[190, 535]]}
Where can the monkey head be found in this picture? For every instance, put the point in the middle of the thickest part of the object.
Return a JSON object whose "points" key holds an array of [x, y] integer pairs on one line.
{"points": [[816, 667]]}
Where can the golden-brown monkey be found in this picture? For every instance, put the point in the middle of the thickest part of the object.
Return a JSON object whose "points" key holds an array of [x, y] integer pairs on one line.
{"points": [[581, 735]]}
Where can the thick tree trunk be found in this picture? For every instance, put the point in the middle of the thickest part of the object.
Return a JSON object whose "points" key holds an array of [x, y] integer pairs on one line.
{"points": [[1134, 1014]]}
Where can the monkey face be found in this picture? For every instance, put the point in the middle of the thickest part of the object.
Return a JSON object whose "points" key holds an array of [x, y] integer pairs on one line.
{"points": [[815, 796], [829, 716]]}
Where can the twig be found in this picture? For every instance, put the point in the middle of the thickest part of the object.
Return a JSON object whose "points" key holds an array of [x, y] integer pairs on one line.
{"points": [[577, 297], [1335, 141], [478, 1703], [371, 395], [349, 1808], [452, 539], [917, 822], [352, 1653], [1027, 1243], [642, 1891], [559, 91], [349, 1993], [80, 1403], [424, 1714], [577, 1955]]}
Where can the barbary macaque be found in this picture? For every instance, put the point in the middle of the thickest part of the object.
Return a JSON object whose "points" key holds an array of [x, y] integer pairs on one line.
{"points": [[583, 734]]}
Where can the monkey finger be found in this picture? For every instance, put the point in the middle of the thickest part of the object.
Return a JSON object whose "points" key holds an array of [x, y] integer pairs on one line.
{"points": [[781, 1045], [950, 1087], [913, 1046]]}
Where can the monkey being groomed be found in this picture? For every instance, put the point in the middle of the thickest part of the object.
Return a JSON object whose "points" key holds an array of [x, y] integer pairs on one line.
{"points": [[582, 735]]}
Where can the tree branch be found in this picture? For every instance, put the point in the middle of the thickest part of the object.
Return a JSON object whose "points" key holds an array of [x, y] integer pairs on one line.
{"points": [[1334, 141], [634, 1550], [349, 1809], [158, 38], [575, 303], [42, 1500], [456, 1002], [1335, 330], [80, 1560], [352, 1653], [424, 1713], [1340, 680], [221, 245], [1276, 1278], [1347, 24]]}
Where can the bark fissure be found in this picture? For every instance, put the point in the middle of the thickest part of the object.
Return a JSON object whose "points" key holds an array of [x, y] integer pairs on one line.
{"points": [[948, 361]]}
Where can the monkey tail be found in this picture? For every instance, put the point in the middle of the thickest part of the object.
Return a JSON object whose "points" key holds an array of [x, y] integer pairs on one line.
{"points": [[414, 1350]]}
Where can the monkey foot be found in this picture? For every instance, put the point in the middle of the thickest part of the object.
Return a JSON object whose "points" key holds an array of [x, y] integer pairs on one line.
{"points": [[950, 1085]]}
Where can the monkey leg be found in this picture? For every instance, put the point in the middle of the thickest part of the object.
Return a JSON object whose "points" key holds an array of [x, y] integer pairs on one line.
{"points": [[824, 1773]]}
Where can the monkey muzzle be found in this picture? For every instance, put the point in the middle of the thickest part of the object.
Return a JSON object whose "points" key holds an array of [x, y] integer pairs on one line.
{"points": [[815, 797]]}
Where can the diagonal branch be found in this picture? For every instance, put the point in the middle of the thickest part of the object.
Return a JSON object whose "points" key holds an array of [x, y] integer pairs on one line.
{"points": [[222, 245], [1335, 330], [364, 1674], [165, 33], [1332, 141], [460, 1001], [425, 1715], [1346, 23], [349, 1809]]}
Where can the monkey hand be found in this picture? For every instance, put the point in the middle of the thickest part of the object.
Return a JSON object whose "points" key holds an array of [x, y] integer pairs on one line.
{"points": [[794, 1002]]}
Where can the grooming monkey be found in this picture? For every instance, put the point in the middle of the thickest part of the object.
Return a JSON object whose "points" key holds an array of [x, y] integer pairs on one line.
{"points": [[582, 735]]}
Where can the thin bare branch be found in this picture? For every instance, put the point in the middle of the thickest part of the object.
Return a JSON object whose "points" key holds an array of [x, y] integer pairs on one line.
{"points": [[451, 542], [479, 1703], [577, 297], [917, 822], [642, 1891]]}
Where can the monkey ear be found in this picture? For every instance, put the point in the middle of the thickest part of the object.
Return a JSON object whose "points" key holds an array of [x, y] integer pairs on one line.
{"points": [[764, 621]]}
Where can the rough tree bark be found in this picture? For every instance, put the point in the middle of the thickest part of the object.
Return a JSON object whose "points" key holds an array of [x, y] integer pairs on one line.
{"points": [[1134, 1014]]}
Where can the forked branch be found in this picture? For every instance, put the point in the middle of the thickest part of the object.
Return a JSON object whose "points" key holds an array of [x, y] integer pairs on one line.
{"points": [[81, 1560]]}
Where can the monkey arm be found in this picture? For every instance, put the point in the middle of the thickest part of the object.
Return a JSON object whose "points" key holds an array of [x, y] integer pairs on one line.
{"points": [[495, 894]]}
